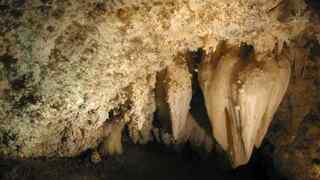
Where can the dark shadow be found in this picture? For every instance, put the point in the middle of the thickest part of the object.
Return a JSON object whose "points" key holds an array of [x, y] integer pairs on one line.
{"points": [[151, 161]]}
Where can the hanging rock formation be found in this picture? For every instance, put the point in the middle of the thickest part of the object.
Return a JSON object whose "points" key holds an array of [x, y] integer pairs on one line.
{"points": [[173, 96], [242, 92]]}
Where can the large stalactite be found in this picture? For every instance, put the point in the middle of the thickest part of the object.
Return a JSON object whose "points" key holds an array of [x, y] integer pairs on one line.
{"points": [[242, 92]]}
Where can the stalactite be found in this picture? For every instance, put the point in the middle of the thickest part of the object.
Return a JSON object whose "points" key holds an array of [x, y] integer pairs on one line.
{"points": [[242, 92]]}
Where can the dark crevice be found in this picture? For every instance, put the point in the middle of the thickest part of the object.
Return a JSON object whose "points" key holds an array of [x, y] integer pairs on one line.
{"points": [[25, 100], [246, 51], [314, 5], [8, 61], [162, 118], [198, 108], [119, 110], [313, 47]]}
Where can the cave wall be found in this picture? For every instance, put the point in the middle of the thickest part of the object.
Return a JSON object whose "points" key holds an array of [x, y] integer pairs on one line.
{"points": [[294, 133], [68, 67]]}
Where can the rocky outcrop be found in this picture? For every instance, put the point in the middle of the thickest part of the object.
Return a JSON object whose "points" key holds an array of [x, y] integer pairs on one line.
{"points": [[64, 72], [68, 68]]}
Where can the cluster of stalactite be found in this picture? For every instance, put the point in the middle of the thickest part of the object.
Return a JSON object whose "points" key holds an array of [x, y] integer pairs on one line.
{"points": [[242, 91]]}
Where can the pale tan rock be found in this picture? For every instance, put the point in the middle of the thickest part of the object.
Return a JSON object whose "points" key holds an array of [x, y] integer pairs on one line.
{"points": [[4, 85], [174, 94], [113, 141], [179, 96], [69, 63], [242, 94], [142, 108]]}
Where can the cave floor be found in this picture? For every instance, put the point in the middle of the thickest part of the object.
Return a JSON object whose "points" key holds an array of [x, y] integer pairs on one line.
{"points": [[150, 161]]}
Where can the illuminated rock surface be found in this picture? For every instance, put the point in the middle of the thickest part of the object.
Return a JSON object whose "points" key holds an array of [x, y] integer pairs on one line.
{"points": [[242, 91], [67, 68]]}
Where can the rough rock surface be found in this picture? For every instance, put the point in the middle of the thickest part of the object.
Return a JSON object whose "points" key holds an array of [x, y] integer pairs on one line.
{"points": [[174, 124], [173, 96], [68, 67]]}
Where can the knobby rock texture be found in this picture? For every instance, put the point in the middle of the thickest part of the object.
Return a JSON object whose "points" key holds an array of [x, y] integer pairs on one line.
{"points": [[68, 69]]}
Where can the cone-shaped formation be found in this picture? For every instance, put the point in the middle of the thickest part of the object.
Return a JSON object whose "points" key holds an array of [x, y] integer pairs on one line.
{"points": [[242, 92], [174, 92], [173, 96], [112, 144]]}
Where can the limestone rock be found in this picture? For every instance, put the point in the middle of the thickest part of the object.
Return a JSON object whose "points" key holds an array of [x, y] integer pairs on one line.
{"points": [[66, 65], [143, 106], [242, 94], [113, 141], [174, 92]]}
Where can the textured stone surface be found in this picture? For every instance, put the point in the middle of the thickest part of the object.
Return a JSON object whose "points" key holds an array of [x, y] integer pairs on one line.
{"points": [[173, 96], [68, 64], [67, 67], [242, 91]]}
